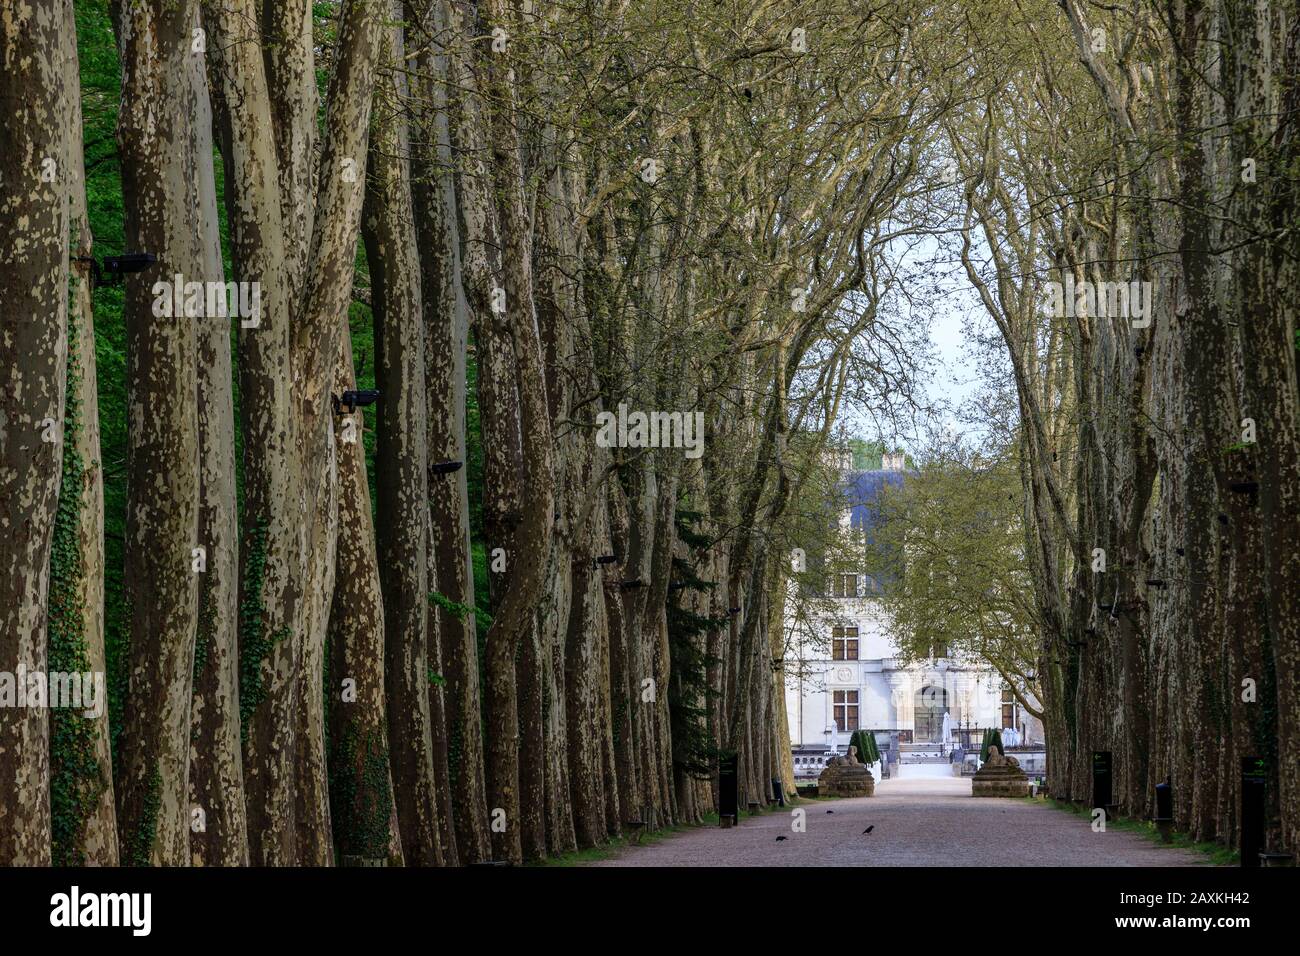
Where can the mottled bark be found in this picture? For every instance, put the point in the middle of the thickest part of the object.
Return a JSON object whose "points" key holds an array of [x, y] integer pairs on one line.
{"points": [[326, 293], [446, 324], [38, 57], [270, 542], [84, 829], [160, 143], [288, 52], [218, 825], [362, 809], [401, 460], [508, 341], [532, 746]]}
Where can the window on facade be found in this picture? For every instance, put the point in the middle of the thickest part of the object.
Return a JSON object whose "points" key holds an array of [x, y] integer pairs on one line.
{"points": [[844, 643], [845, 585], [846, 710], [1008, 708]]}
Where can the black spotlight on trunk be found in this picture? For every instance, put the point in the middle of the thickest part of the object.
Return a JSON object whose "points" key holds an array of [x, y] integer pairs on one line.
{"points": [[116, 267], [354, 400], [445, 467]]}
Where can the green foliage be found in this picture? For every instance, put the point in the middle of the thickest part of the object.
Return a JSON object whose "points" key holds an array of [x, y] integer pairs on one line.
{"points": [[455, 748], [689, 692], [255, 645], [867, 455], [950, 552], [473, 452], [139, 846], [100, 95], [77, 780], [482, 619], [865, 741], [992, 738], [361, 797], [454, 608], [206, 618]]}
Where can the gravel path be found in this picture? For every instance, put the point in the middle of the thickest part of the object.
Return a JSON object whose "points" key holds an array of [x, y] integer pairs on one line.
{"points": [[918, 822]]}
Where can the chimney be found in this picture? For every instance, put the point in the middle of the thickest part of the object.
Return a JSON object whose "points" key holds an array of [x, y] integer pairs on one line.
{"points": [[839, 459]]}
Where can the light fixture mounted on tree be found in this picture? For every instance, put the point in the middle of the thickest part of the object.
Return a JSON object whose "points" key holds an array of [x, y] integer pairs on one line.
{"points": [[116, 268], [603, 559], [445, 467], [353, 400]]}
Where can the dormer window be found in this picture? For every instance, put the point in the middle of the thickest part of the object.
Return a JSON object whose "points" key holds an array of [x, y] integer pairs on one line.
{"points": [[844, 585]]}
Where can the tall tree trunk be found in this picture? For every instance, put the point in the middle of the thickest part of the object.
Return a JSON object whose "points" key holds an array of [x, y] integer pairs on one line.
{"points": [[509, 341], [160, 145], [362, 809], [446, 327], [532, 744], [270, 545], [39, 54], [84, 829], [218, 825], [401, 459]]}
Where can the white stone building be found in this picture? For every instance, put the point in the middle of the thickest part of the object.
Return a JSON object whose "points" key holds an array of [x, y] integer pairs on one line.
{"points": [[844, 672]]}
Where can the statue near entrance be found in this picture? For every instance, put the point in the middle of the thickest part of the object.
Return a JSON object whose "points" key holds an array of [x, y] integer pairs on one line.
{"points": [[997, 760], [846, 776], [1000, 777]]}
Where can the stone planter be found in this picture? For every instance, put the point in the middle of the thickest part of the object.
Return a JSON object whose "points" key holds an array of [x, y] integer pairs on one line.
{"points": [[999, 777], [846, 780]]}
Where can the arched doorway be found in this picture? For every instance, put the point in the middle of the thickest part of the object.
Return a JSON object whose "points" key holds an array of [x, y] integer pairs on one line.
{"points": [[931, 703]]}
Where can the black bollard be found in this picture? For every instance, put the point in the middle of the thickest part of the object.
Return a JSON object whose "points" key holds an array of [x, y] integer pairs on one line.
{"points": [[1164, 820], [728, 810], [1254, 776], [1101, 779]]}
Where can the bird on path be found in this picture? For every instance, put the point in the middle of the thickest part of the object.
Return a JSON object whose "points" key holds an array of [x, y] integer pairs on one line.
{"points": [[830, 811], [779, 839], [869, 829]]}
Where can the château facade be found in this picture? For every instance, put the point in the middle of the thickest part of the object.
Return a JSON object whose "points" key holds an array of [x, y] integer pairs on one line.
{"points": [[845, 672]]}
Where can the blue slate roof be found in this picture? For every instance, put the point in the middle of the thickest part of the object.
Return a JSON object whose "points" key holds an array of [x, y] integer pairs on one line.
{"points": [[862, 492]]}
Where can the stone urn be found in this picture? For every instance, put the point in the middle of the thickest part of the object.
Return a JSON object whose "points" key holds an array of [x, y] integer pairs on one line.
{"points": [[846, 777], [1000, 777]]}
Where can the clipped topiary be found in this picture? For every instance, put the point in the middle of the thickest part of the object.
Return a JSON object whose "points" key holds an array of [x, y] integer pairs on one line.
{"points": [[865, 741], [992, 738]]}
